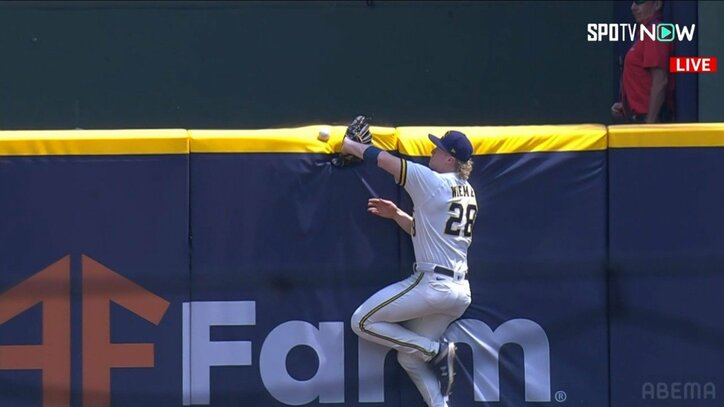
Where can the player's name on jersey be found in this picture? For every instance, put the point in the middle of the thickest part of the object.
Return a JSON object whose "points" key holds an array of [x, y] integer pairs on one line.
{"points": [[461, 191]]}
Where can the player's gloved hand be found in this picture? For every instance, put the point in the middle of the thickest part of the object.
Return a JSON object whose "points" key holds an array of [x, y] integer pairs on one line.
{"points": [[359, 131]]}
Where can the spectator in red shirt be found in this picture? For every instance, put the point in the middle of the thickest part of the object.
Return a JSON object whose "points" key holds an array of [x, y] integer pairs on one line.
{"points": [[646, 87]]}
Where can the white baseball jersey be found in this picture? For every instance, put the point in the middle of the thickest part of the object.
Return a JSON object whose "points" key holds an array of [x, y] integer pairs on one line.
{"points": [[443, 215]]}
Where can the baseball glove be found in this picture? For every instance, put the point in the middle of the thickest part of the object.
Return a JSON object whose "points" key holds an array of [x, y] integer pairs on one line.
{"points": [[359, 131]]}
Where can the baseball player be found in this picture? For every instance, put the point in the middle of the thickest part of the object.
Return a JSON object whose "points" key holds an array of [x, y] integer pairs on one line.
{"points": [[412, 315]]}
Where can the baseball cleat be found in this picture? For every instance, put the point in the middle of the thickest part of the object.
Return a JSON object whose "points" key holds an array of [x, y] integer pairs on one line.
{"points": [[448, 370], [445, 363]]}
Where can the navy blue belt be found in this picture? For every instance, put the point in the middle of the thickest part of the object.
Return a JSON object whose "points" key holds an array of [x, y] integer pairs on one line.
{"points": [[439, 270], [443, 270], [446, 272]]}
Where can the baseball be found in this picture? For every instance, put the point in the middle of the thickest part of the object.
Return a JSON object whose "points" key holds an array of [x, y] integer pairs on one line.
{"points": [[324, 133]]}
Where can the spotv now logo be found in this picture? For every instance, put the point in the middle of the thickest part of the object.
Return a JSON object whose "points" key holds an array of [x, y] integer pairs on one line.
{"points": [[663, 32]]}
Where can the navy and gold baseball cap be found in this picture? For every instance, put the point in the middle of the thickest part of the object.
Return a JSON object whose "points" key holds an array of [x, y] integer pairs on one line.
{"points": [[454, 143]]}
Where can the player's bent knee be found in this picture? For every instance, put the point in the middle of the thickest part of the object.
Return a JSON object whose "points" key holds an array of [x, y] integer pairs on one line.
{"points": [[356, 328], [356, 322]]}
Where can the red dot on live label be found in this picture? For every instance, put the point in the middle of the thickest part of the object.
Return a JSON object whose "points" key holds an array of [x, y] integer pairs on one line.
{"points": [[692, 64]]}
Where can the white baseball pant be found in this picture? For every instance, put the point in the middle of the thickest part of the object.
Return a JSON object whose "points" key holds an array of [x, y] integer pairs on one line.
{"points": [[410, 316]]}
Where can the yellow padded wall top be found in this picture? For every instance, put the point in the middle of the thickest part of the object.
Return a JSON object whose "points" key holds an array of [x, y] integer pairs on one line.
{"points": [[291, 140], [93, 142], [414, 141], [411, 141], [666, 135]]}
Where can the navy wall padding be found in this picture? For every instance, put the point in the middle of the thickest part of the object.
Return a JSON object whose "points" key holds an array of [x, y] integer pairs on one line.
{"points": [[129, 213], [666, 257]]}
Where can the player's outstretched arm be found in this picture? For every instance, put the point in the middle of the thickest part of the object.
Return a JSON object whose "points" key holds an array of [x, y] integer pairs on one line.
{"points": [[387, 209], [385, 160]]}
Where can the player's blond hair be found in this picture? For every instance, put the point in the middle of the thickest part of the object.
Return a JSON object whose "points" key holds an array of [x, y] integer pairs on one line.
{"points": [[464, 168]]}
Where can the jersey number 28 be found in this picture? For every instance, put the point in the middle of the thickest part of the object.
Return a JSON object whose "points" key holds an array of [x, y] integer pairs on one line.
{"points": [[455, 225]]}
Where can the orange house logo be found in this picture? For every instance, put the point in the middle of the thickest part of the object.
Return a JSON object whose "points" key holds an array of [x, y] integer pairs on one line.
{"points": [[51, 287]]}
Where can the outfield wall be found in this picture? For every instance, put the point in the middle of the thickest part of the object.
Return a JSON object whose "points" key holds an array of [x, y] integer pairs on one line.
{"points": [[666, 264], [221, 267]]}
